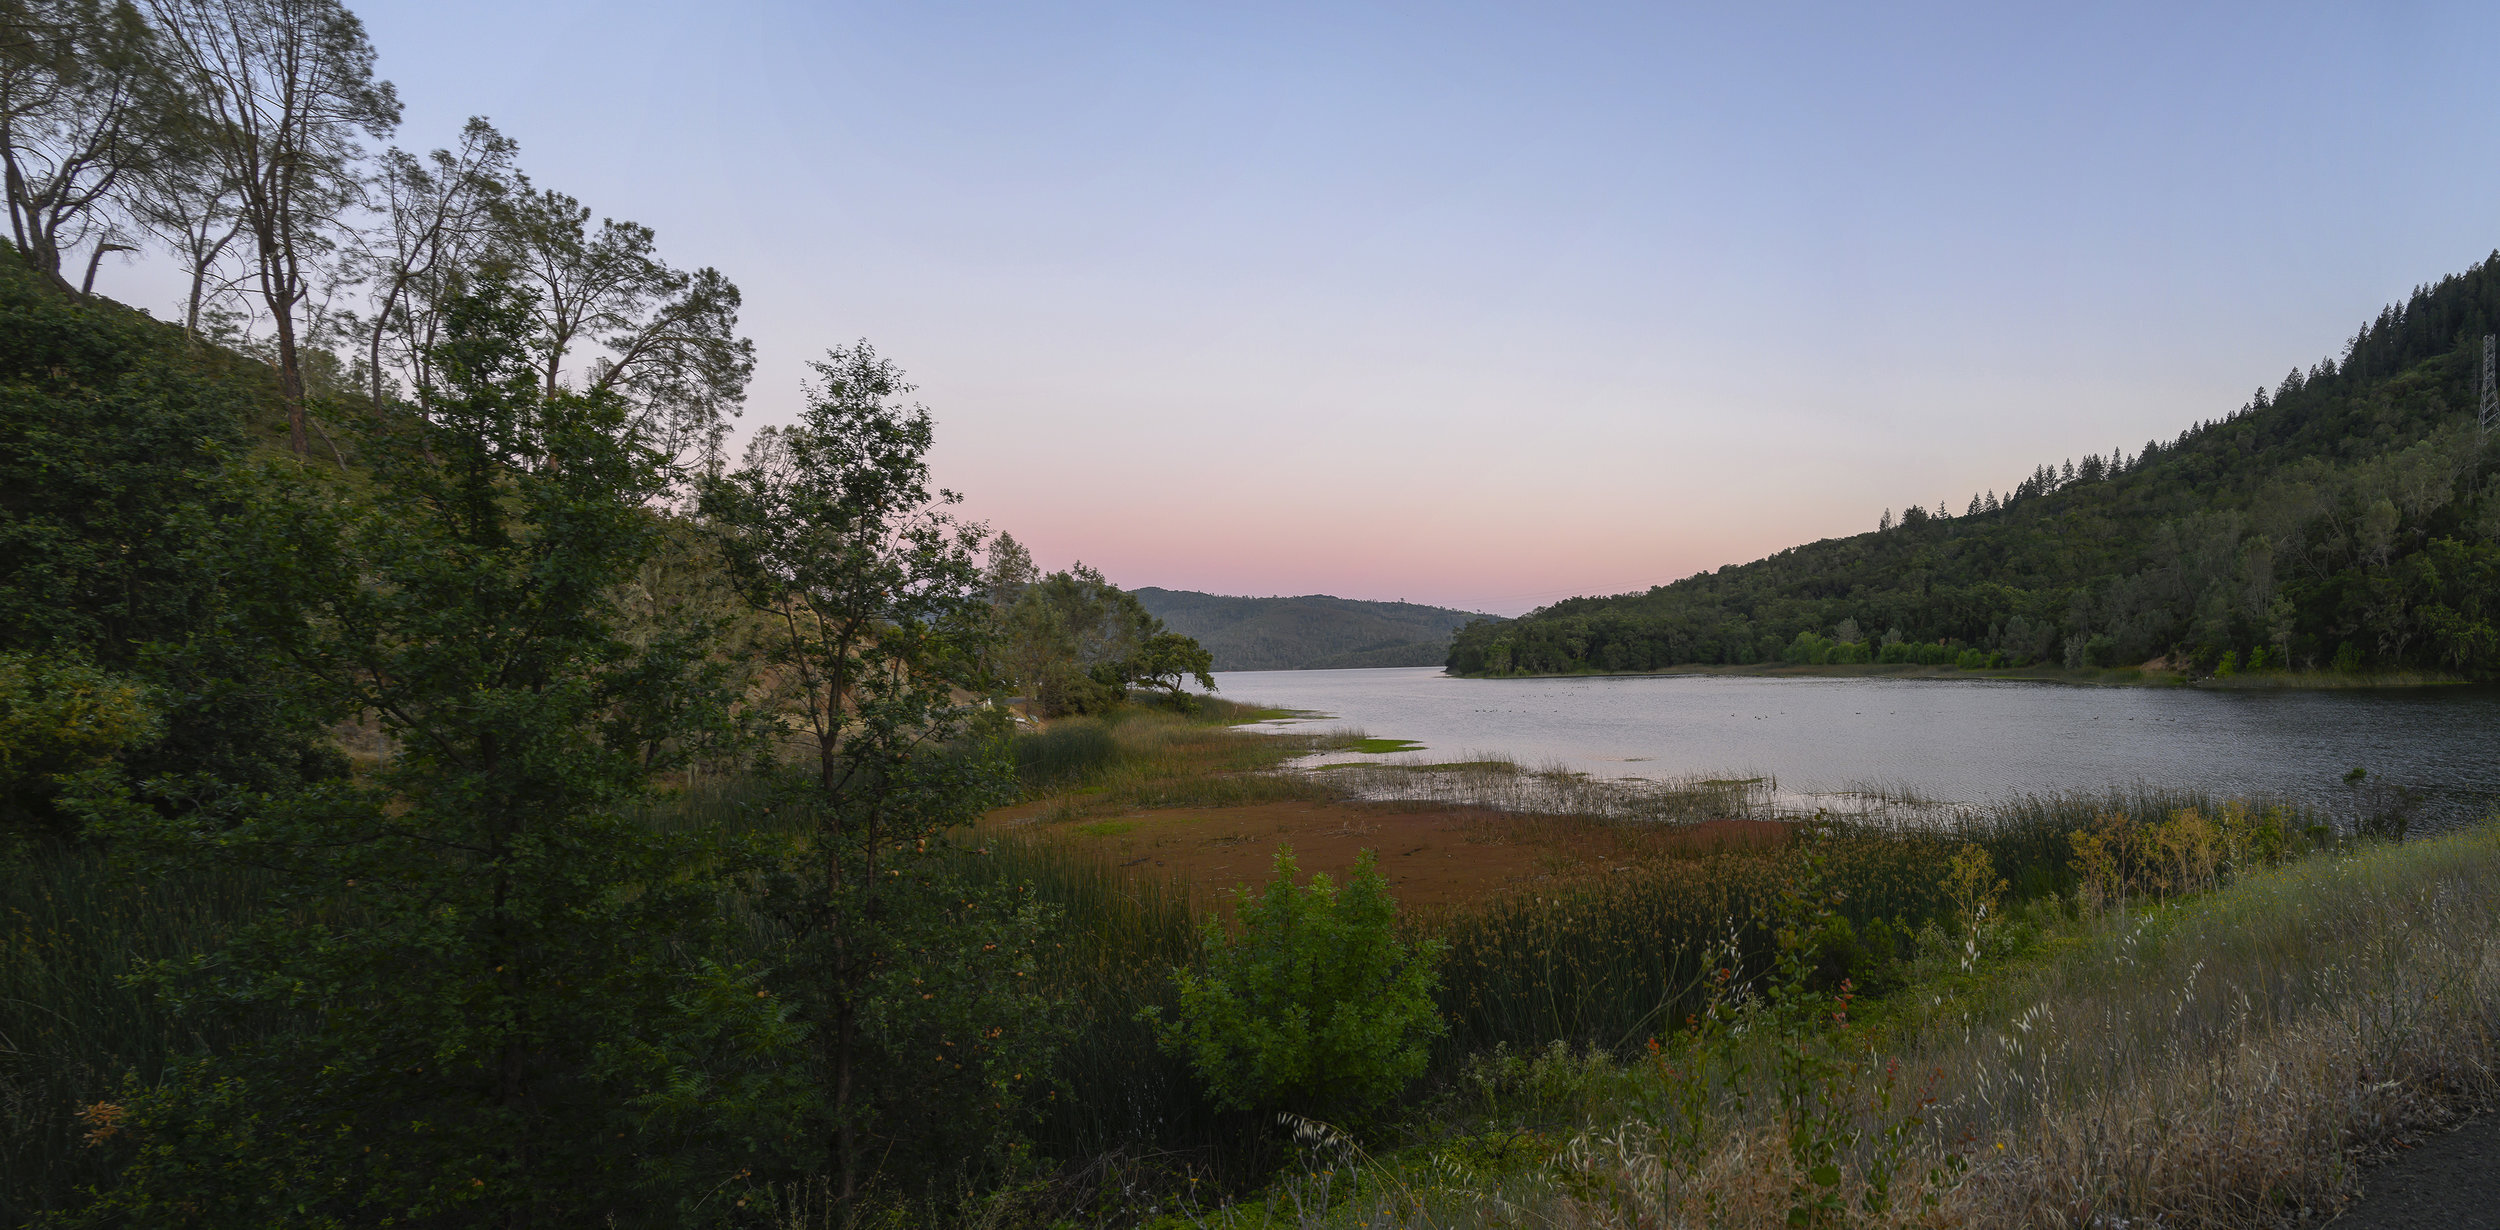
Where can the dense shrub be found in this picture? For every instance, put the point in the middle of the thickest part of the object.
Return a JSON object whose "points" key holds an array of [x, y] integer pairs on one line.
{"points": [[1316, 1006]]}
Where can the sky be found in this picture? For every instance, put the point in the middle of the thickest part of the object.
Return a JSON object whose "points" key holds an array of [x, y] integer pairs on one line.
{"points": [[1491, 305]]}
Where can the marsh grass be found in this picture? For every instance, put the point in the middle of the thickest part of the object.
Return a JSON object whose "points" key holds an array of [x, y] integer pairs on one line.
{"points": [[1605, 962], [1116, 947], [1119, 1101], [2220, 1059], [2168, 1047], [1500, 783], [72, 929], [1144, 755]]}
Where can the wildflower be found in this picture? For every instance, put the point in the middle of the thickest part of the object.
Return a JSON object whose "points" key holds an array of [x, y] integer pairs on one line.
{"points": [[103, 1120]]}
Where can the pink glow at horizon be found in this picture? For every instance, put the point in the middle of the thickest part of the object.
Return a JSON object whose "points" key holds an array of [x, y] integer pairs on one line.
{"points": [[1487, 306]]}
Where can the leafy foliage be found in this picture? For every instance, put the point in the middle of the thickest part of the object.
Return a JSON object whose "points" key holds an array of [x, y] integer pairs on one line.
{"points": [[62, 723], [1076, 643], [1317, 1006], [502, 1012], [119, 504], [927, 1030]]}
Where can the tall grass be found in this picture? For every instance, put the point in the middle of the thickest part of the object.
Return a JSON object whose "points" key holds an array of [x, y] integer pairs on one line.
{"points": [[1602, 964], [2220, 1062], [1116, 947], [73, 928], [1152, 756], [1609, 963], [1605, 965], [1112, 955], [1501, 783]]}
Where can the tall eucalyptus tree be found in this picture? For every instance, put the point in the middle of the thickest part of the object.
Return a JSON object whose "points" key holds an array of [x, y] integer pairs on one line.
{"points": [[187, 203], [285, 88], [664, 339], [435, 217], [84, 111]]}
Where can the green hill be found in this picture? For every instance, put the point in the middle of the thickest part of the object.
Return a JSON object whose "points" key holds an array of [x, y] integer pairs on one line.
{"points": [[1312, 632], [2347, 519]]}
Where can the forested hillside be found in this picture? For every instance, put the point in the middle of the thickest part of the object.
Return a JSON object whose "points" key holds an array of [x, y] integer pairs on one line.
{"points": [[2346, 519], [394, 665], [1312, 632]]}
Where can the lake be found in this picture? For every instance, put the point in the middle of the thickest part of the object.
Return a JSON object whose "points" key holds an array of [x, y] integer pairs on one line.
{"points": [[1951, 740]]}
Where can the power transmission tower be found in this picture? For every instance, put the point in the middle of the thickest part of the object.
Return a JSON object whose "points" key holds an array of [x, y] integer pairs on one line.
{"points": [[2491, 387]]}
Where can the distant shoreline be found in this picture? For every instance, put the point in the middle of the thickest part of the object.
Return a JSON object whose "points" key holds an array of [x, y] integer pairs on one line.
{"points": [[2114, 677]]}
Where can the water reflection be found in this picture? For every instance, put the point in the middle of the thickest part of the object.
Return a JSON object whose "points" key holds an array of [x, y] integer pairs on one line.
{"points": [[1957, 741]]}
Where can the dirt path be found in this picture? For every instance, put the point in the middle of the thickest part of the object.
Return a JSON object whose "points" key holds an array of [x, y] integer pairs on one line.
{"points": [[2448, 1182]]}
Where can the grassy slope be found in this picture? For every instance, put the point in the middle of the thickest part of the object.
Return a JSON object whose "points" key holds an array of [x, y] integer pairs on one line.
{"points": [[1312, 632]]}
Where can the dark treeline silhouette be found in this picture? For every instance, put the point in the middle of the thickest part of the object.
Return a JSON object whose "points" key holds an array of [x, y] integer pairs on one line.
{"points": [[2346, 519]]}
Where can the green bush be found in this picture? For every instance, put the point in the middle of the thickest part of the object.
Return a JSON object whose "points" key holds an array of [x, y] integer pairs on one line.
{"points": [[62, 724], [1316, 1006], [1807, 650]]}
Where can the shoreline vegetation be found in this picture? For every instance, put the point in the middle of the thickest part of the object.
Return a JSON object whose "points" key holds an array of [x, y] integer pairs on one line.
{"points": [[1701, 1009], [1918, 1014], [2123, 676]]}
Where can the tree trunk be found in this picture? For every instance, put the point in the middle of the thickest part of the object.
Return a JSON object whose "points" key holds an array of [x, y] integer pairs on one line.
{"points": [[845, 1133], [291, 379], [191, 309], [373, 352]]}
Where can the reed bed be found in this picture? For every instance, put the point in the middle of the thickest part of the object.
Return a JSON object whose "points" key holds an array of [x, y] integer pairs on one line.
{"points": [[2221, 1060], [1156, 757], [1501, 783], [2243, 1040], [72, 929], [1117, 945], [1606, 963]]}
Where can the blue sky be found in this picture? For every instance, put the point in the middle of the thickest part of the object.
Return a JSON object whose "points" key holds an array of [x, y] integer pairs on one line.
{"points": [[1490, 305]]}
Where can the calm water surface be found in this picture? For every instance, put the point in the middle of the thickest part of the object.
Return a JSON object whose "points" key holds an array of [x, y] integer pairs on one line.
{"points": [[1950, 740]]}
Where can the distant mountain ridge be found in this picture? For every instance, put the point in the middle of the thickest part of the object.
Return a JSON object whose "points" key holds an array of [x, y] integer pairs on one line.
{"points": [[1310, 632]]}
